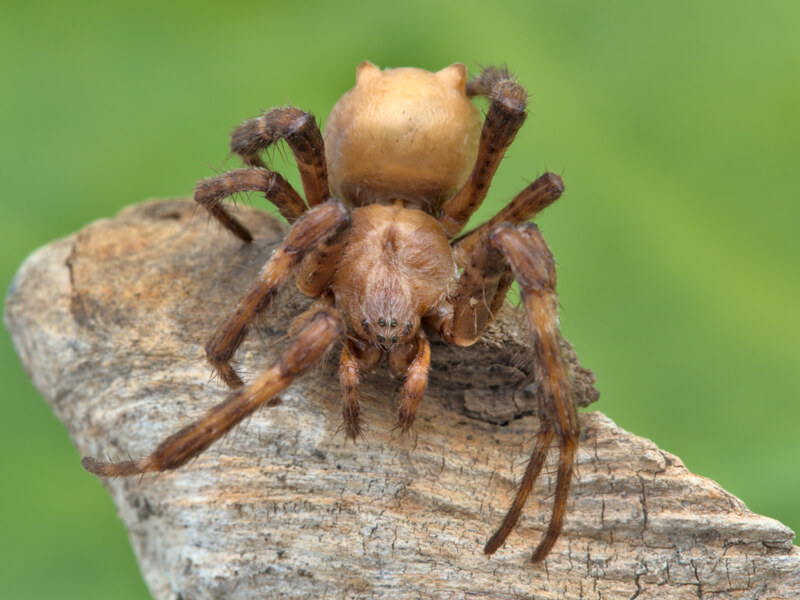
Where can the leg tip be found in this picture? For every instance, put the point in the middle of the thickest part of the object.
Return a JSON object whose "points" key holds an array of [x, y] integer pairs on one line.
{"points": [[353, 432], [553, 182], [405, 420], [493, 545], [120, 469], [90, 464]]}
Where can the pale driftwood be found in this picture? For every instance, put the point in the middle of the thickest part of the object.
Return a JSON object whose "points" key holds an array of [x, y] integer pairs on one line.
{"points": [[111, 323]]}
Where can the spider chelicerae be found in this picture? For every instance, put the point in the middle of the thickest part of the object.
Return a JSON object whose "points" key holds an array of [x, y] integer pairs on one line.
{"points": [[405, 162]]}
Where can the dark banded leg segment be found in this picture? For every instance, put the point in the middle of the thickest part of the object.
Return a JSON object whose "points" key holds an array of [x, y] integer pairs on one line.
{"points": [[301, 132], [506, 114], [209, 194]]}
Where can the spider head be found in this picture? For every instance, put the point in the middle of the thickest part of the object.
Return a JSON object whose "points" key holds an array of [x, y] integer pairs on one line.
{"points": [[387, 332], [384, 315], [405, 134]]}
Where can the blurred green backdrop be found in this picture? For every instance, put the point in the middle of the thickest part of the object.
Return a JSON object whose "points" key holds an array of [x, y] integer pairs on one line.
{"points": [[676, 127]]}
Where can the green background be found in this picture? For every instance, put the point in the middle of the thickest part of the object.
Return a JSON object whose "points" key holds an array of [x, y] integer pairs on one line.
{"points": [[676, 126]]}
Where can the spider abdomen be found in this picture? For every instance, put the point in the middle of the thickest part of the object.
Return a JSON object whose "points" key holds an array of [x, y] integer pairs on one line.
{"points": [[396, 267], [402, 134]]}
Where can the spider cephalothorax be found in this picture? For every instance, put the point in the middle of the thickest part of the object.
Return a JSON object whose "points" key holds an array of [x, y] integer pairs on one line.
{"points": [[405, 162]]}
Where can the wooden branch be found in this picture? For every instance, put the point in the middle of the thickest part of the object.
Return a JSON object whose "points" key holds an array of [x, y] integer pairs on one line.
{"points": [[111, 324]]}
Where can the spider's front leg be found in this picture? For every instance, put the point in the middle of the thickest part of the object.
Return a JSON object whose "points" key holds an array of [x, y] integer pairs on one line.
{"points": [[324, 330], [323, 222], [534, 269], [482, 287]]}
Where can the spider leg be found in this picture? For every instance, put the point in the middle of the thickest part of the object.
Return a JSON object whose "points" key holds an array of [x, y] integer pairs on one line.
{"points": [[210, 192], [525, 206], [314, 341], [416, 373], [311, 229], [534, 269], [301, 132], [508, 100], [544, 438], [315, 272], [568, 448], [481, 291], [348, 378], [355, 356], [503, 251]]}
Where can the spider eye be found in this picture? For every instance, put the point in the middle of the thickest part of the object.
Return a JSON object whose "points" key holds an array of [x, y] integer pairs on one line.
{"points": [[381, 338], [394, 339], [382, 322], [393, 323], [365, 324]]}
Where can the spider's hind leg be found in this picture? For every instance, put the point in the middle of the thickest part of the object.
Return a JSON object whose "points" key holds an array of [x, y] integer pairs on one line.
{"points": [[301, 132], [506, 114]]}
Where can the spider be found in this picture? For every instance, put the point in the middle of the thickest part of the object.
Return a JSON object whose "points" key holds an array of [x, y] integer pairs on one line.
{"points": [[405, 162]]}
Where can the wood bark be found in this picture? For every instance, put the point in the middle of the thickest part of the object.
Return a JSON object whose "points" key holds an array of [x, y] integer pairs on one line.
{"points": [[111, 324]]}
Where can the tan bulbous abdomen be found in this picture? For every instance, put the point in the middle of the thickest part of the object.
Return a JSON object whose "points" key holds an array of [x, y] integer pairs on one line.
{"points": [[402, 134]]}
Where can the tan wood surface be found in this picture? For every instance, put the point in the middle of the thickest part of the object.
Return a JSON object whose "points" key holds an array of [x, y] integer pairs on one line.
{"points": [[111, 324]]}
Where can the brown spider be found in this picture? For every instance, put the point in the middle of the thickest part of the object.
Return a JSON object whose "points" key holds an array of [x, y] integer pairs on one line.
{"points": [[408, 162]]}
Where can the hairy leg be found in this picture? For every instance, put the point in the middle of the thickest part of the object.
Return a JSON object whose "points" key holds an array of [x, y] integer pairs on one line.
{"points": [[315, 272], [544, 438], [521, 250], [348, 378], [416, 374], [209, 194], [313, 227], [481, 291], [534, 269], [525, 206], [355, 356], [301, 132], [315, 340], [506, 114]]}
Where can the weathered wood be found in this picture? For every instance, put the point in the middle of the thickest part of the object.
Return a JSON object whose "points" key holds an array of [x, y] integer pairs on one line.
{"points": [[111, 324]]}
